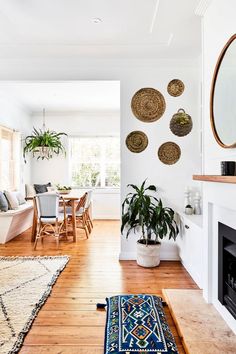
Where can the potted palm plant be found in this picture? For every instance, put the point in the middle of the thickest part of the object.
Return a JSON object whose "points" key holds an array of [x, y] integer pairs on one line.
{"points": [[144, 213]]}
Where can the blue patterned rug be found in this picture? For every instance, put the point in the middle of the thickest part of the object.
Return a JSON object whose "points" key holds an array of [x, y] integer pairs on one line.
{"points": [[137, 324]]}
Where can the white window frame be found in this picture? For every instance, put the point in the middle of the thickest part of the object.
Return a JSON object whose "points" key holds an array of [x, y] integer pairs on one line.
{"points": [[102, 187], [14, 162]]}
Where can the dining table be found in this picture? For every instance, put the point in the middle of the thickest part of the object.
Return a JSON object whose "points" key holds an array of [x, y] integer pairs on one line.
{"points": [[72, 198]]}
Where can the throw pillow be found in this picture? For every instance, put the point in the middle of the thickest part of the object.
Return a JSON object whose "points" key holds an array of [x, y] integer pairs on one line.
{"points": [[29, 190], [12, 200], [41, 188], [3, 202], [20, 198]]}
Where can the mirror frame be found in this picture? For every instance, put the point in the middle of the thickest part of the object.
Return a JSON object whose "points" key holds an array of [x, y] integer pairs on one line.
{"points": [[213, 84]]}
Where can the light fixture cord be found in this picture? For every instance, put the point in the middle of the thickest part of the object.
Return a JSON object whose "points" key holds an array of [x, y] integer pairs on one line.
{"points": [[44, 124]]}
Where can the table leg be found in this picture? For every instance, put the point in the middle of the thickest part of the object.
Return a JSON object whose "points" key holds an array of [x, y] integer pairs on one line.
{"points": [[73, 217]]}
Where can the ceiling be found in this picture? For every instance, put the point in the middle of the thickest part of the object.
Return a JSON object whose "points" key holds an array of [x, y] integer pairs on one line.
{"points": [[129, 28], [64, 97]]}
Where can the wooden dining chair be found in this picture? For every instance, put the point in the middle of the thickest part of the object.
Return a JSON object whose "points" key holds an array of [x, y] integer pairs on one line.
{"points": [[81, 220], [88, 209], [50, 221]]}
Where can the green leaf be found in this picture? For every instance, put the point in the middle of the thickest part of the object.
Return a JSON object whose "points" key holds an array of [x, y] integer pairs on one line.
{"points": [[144, 211], [49, 139]]}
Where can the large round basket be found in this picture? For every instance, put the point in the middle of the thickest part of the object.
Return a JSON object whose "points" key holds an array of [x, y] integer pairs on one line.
{"points": [[137, 141], [175, 87], [169, 153], [181, 123], [148, 105]]}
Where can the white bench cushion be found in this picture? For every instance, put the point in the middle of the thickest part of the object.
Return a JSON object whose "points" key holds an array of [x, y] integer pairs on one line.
{"points": [[14, 222]]}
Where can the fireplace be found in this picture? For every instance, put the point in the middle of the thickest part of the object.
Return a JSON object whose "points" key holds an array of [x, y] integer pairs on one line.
{"points": [[227, 268]]}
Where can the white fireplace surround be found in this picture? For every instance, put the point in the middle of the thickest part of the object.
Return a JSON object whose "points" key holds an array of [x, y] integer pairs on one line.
{"points": [[219, 205]]}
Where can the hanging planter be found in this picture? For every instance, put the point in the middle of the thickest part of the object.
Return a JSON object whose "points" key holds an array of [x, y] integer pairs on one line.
{"points": [[44, 143], [181, 123]]}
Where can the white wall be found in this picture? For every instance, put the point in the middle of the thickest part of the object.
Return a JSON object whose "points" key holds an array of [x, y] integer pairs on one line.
{"points": [[134, 75], [215, 37], [170, 180], [14, 116]]}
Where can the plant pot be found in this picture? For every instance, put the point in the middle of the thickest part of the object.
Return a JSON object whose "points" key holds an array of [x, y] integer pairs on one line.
{"points": [[148, 256]]}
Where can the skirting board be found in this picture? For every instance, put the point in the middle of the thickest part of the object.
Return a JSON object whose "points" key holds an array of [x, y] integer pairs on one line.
{"points": [[165, 256], [105, 217]]}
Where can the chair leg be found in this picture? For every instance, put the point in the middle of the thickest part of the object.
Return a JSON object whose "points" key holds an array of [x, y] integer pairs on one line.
{"points": [[66, 227], [88, 223], [57, 234], [35, 242], [85, 225], [38, 236], [90, 220], [57, 240]]}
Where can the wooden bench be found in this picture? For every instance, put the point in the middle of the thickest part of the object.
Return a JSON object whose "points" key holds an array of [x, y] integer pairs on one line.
{"points": [[14, 222]]}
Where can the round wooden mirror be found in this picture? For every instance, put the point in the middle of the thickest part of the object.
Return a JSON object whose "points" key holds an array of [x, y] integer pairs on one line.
{"points": [[223, 96]]}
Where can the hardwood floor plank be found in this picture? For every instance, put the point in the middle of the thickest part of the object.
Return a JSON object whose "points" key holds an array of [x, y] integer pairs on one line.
{"points": [[59, 349], [69, 323]]}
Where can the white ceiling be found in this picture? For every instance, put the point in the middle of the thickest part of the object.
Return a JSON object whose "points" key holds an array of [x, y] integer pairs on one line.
{"points": [[77, 96], [129, 28]]}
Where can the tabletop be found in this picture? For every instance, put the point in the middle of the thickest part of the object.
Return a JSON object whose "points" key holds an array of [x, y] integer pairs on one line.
{"points": [[74, 194]]}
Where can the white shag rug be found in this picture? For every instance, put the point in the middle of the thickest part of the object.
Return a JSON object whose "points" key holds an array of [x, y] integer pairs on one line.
{"points": [[25, 284]]}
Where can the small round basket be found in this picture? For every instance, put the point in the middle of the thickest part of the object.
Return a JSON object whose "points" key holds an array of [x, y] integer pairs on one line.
{"points": [[137, 141], [63, 191], [169, 153], [175, 87], [181, 123], [148, 105]]}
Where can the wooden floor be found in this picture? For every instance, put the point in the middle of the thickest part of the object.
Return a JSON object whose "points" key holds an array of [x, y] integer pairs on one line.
{"points": [[69, 322]]}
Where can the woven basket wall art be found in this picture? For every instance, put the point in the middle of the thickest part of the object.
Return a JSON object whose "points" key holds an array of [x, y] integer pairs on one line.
{"points": [[148, 105], [169, 153], [175, 87], [137, 141], [181, 123]]}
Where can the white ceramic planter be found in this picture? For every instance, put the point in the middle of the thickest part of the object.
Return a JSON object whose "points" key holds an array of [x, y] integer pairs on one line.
{"points": [[148, 256]]}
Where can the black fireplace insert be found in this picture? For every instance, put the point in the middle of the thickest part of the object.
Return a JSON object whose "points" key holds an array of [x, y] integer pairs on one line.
{"points": [[227, 268]]}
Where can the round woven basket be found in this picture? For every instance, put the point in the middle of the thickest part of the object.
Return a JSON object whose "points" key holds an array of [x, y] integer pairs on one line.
{"points": [[169, 153], [148, 105], [175, 87], [137, 141], [181, 123]]}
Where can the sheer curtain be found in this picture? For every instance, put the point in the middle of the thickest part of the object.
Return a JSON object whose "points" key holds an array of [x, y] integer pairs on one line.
{"points": [[9, 159]]}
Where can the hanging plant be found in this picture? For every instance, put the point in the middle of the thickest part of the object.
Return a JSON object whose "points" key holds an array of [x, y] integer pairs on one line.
{"points": [[44, 144]]}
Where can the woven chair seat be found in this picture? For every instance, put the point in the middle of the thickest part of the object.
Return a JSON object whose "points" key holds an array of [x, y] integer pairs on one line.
{"points": [[78, 212], [53, 220]]}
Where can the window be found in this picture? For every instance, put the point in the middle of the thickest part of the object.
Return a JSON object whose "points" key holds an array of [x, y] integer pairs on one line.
{"points": [[95, 161], [9, 159]]}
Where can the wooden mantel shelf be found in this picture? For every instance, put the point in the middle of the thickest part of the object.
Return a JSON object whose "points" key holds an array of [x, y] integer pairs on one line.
{"points": [[215, 178]]}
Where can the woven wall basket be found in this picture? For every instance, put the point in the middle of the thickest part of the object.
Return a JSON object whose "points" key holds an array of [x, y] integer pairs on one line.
{"points": [[137, 141], [175, 87], [181, 123], [169, 153], [148, 105]]}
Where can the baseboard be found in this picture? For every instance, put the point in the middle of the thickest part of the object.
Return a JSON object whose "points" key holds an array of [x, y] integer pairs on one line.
{"points": [[165, 256], [106, 217]]}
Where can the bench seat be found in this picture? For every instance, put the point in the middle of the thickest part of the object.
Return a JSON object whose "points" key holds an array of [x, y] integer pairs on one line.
{"points": [[14, 222]]}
